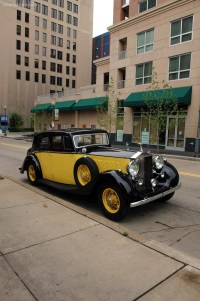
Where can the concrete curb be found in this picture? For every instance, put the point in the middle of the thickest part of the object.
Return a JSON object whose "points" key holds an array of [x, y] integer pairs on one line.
{"points": [[132, 235]]}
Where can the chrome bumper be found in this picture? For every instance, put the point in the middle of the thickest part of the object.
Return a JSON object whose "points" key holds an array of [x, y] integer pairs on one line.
{"points": [[155, 197]]}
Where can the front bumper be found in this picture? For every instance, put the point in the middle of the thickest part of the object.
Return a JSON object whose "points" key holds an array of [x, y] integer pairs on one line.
{"points": [[155, 197]]}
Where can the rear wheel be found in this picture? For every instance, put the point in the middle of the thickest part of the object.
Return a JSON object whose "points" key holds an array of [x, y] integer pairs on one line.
{"points": [[32, 174], [112, 201]]}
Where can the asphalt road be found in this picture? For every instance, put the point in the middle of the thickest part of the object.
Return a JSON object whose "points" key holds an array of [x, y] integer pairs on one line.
{"points": [[175, 223]]}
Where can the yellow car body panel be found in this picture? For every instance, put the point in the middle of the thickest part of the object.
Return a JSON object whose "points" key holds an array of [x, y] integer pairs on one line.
{"points": [[59, 167]]}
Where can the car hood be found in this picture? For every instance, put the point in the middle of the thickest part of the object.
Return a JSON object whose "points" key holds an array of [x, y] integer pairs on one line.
{"points": [[117, 153]]}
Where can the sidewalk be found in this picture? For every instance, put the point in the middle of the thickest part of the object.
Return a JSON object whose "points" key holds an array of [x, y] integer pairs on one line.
{"points": [[52, 250]]}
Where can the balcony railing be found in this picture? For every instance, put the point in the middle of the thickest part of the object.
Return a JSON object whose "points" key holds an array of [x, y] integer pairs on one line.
{"points": [[122, 55], [121, 84]]}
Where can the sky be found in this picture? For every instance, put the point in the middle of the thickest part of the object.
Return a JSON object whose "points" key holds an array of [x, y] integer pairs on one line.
{"points": [[103, 16]]}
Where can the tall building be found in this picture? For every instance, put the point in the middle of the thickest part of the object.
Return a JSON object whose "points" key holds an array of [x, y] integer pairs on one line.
{"points": [[162, 35], [46, 47]]}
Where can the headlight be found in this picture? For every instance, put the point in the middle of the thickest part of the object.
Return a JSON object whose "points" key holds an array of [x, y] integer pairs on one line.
{"points": [[133, 168], [159, 162]]}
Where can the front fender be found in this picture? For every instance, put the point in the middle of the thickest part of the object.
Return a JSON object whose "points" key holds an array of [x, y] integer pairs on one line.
{"points": [[34, 160]]}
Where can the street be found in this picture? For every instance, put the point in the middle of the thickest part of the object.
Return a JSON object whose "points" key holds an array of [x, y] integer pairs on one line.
{"points": [[175, 223]]}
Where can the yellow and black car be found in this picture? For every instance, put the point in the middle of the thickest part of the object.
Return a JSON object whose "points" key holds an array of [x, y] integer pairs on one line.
{"points": [[83, 162]]}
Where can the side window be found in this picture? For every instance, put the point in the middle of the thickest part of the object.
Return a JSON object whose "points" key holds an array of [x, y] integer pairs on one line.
{"points": [[57, 143], [42, 142], [67, 143]]}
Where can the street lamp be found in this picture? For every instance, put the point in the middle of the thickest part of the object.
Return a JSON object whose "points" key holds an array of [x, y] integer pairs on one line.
{"points": [[53, 103], [5, 133]]}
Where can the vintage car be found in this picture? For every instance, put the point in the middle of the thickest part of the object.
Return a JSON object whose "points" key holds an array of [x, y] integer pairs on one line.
{"points": [[82, 161]]}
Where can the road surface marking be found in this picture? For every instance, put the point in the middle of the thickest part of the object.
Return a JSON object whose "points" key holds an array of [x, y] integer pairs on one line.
{"points": [[189, 174], [26, 147]]}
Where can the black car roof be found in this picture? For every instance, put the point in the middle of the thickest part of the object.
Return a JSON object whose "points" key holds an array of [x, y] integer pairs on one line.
{"points": [[72, 131]]}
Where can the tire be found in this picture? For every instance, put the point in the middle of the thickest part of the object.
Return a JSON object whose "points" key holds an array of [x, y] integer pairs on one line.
{"points": [[32, 174], [85, 169], [167, 197], [112, 201]]}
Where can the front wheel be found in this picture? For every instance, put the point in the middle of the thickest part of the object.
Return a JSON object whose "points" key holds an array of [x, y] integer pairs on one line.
{"points": [[112, 201], [32, 174]]}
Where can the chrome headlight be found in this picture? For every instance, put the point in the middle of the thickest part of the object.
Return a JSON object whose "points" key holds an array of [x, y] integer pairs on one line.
{"points": [[133, 168], [159, 162]]}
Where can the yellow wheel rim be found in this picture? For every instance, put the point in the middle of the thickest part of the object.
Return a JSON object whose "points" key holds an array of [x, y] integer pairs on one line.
{"points": [[83, 174], [111, 200], [32, 173]]}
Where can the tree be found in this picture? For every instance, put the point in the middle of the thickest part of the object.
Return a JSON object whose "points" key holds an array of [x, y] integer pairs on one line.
{"points": [[107, 115], [160, 103], [16, 120], [41, 120]]}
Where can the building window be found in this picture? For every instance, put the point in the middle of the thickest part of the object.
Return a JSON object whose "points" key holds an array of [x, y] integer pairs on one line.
{"points": [[44, 51], [27, 75], [181, 30], [36, 49], [69, 19], [36, 63], [19, 15], [36, 35], [26, 17], [60, 28], [74, 33], [44, 9], [74, 59], [26, 61], [44, 23], [37, 21], [44, 37], [145, 41], [19, 2], [43, 78], [53, 67], [67, 70], [18, 30], [61, 3], [53, 26], [59, 68], [67, 82], [68, 31], [26, 32], [74, 71], [59, 81], [68, 44], [75, 8], [18, 59], [53, 40], [60, 42], [179, 66], [68, 57], [52, 80], [69, 5], [43, 65], [54, 2], [146, 4], [144, 73], [26, 46], [74, 46], [75, 21], [18, 45], [53, 53], [18, 74], [37, 7], [59, 55], [27, 4], [73, 84], [36, 77], [54, 13], [60, 15]]}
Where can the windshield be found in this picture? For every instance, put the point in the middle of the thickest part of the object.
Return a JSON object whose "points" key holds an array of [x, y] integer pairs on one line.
{"points": [[91, 139]]}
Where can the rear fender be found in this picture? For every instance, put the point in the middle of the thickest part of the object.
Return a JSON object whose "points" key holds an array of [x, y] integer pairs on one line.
{"points": [[34, 160]]}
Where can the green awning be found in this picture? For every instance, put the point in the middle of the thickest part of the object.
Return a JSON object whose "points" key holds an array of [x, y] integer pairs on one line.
{"points": [[41, 108], [137, 99], [63, 105], [90, 103]]}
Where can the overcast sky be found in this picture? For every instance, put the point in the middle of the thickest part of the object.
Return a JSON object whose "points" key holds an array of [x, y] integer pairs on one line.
{"points": [[103, 16]]}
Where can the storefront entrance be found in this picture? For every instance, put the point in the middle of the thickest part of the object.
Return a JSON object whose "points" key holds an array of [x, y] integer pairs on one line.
{"points": [[175, 134]]}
